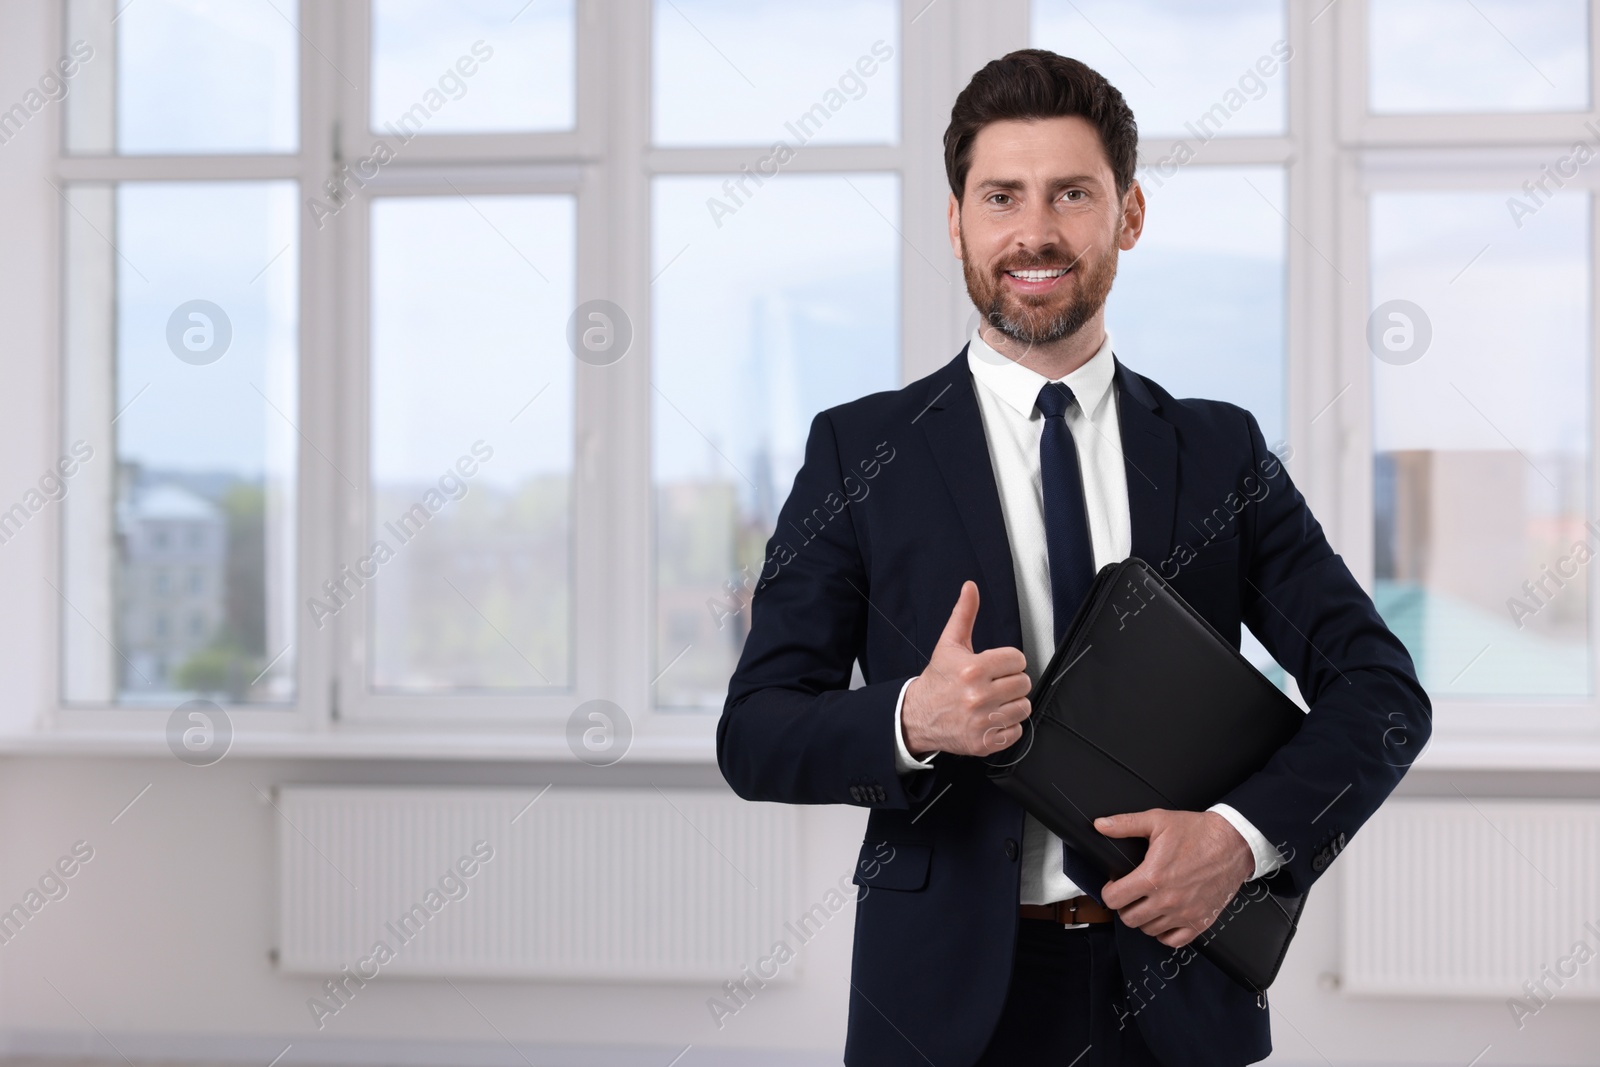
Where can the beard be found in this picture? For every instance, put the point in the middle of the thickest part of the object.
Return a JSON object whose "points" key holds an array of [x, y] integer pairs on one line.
{"points": [[1041, 319]]}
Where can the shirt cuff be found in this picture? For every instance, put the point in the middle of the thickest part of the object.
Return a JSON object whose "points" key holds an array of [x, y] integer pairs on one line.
{"points": [[904, 762], [1268, 858]]}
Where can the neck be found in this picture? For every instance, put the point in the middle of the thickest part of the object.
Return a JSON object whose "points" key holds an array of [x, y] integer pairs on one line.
{"points": [[1058, 358]]}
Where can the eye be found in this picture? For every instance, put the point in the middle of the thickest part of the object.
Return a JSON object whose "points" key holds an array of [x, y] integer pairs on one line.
{"points": [[1074, 195], [1002, 196]]}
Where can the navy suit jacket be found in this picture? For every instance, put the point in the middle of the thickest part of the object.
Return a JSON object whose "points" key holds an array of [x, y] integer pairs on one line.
{"points": [[893, 508]]}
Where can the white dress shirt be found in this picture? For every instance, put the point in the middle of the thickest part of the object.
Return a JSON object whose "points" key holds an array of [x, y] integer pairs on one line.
{"points": [[1007, 394]]}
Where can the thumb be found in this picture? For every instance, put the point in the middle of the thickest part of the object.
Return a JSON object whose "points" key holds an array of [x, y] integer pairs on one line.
{"points": [[1134, 824], [958, 631]]}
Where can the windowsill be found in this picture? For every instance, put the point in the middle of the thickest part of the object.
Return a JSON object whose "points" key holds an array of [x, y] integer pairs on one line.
{"points": [[1487, 753], [674, 746], [1500, 752]]}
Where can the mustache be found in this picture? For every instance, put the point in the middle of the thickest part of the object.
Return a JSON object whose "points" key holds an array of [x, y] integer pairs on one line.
{"points": [[1041, 264]]}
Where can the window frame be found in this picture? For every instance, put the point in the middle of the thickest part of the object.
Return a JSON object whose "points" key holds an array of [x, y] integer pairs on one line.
{"points": [[567, 163], [1334, 154], [144, 727], [1380, 153]]}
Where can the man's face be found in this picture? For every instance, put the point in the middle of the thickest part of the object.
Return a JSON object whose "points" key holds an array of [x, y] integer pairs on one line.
{"points": [[1039, 226]]}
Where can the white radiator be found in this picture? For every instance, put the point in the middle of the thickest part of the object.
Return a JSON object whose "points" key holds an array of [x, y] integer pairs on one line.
{"points": [[584, 883], [1474, 898]]}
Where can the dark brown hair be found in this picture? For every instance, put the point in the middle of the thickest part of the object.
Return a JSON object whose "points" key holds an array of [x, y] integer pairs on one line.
{"points": [[1034, 83]]}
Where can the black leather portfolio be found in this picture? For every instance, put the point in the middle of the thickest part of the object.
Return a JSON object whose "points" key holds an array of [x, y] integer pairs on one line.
{"points": [[1144, 705]]}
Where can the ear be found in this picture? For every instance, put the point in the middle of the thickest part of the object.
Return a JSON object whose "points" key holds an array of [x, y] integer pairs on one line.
{"points": [[1132, 217], [954, 222]]}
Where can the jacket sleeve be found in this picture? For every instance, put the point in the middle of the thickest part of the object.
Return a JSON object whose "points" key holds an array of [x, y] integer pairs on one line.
{"points": [[791, 729], [1369, 715]]}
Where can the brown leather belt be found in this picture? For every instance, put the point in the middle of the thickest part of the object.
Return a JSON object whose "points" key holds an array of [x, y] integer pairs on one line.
{"points": [[1079, 909]]}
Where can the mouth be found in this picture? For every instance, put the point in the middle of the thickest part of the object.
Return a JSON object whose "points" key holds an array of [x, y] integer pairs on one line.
{"points": [[1036, 280]]}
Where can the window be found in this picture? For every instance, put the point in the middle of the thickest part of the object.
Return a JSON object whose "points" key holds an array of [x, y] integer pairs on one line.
{"points": [[470, 500], [182, 342], [749, 343], [753, 74], [740, 368], [444, 366], [1480, 347], [497, 67], [1437, 56], [184, 78], [1186, 70]]}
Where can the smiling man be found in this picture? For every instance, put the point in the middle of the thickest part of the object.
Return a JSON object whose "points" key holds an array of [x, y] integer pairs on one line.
{"points": [[1027, 462]]}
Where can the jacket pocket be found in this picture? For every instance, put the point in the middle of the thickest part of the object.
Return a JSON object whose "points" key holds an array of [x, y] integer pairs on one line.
{"points": [[893, 865]]}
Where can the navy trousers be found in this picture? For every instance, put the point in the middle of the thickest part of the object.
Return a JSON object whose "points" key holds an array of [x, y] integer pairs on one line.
{"points": [[1059, 1007]]}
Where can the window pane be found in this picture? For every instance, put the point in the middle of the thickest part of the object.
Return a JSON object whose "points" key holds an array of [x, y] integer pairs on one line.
{"points": [[469, 564], [1480, 335], [748, 346], [1190, 70], [181, 380], [1430, 56], [184, 76], [756, 72], [1198, 304], [480, 66]]}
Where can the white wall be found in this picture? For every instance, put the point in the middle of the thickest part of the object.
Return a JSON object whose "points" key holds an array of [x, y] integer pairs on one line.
{"points": [[168, 928]]}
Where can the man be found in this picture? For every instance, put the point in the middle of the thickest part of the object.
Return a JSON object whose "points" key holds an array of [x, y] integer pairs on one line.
{"points": [[999, 484]]}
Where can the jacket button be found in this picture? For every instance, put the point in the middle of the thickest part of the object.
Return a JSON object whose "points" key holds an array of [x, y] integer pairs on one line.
{"points": [[1319, 862], [1011, 849], [855, 793], [1341, 839]]}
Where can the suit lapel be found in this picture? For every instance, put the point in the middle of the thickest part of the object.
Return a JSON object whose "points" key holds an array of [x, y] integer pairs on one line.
{"points": [[1150, 454], [953, 426]]}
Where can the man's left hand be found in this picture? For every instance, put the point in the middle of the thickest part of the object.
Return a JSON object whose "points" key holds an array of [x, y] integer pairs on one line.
{"points": [[1195, 864]]}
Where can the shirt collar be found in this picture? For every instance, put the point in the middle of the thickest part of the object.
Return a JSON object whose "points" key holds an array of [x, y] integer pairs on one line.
{"points": [[1019, 385]]}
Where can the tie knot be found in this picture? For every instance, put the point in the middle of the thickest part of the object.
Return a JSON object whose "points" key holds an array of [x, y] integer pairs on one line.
{"points": [[1054, 399]]}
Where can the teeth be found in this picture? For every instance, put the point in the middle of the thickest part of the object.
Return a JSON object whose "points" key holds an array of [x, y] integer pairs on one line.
{"points": [[1037, 275]]}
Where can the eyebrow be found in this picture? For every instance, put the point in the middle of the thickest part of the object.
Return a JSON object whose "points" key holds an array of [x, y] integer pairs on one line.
{"points": [[1013, 184]]}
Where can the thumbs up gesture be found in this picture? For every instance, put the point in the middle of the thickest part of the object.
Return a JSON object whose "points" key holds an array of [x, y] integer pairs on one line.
{"points": [[965, 702]]}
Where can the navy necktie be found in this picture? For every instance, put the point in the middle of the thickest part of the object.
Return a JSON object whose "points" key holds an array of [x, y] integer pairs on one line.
{"points": [[1066, 516], [1066, 537]]}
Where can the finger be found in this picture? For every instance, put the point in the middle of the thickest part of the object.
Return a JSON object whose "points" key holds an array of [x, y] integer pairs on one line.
{"points": [[1133, 824], [1003, 661], [998, 737], [1011, 687], [1142, 913], [1176, 938], [1012, 712], [958, 631], [1002, 693], [1124, 892]]}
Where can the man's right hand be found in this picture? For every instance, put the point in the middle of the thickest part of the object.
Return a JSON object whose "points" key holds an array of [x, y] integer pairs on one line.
{"points": [[965, 702]]}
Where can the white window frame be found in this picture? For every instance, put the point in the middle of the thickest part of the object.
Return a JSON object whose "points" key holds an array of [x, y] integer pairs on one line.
{"points": [[1334, 153], [139, 728], [1467, 151]]}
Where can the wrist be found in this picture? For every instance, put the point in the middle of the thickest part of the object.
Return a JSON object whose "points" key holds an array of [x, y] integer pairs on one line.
{"points": [[910, 722], [1241, 857]]}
